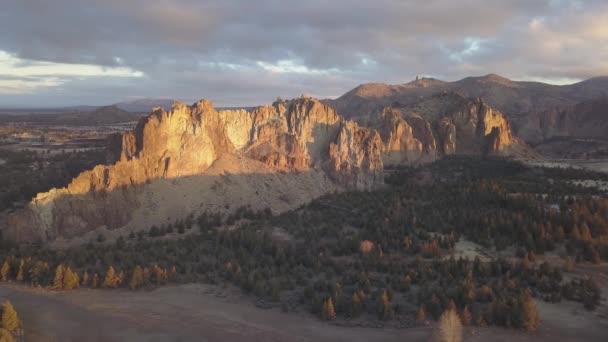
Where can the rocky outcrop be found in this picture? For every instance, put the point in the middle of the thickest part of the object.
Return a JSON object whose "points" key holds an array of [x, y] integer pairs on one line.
{"points": [[584, 120], [444, 124], [355, 157], [298, 136], [195, 158]]}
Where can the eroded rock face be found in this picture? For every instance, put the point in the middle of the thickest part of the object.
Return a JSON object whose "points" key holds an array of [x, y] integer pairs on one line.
{"points": [[302, 135], [443, 125], [356, 157]]}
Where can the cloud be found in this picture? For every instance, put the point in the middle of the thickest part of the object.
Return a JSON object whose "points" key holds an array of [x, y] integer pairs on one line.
{"points": [[241, 52]]}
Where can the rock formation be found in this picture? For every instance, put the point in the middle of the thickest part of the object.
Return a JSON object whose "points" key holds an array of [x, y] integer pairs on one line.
{"points": [[300, 137], [523, 103], [443, 124], [195, 158]]}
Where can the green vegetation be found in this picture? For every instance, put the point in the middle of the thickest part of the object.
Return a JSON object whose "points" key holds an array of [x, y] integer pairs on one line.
{"points": [[381, 255]]}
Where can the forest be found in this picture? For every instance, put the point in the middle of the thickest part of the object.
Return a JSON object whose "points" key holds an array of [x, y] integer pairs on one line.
{"points": [[25, 173], [382, 256]]}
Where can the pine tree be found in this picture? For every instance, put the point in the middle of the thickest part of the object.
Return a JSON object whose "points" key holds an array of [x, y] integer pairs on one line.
{"points": [[137, 278], [421, 315], [4, 271], [58, 280], [449, 328], [329, 314], [10, 320], [531, 320]]}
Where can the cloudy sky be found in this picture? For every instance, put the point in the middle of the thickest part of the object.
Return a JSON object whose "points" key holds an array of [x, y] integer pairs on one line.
{"points": [[245, 52]]}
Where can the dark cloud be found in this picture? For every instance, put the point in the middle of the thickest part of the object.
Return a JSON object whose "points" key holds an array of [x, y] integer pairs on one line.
{"points": [[241, 52]]}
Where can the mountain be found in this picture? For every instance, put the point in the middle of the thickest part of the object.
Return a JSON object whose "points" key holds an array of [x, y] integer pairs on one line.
{"points": [[100, 116], [106, 115], [145, 105], [521, 102], [195, 158]]}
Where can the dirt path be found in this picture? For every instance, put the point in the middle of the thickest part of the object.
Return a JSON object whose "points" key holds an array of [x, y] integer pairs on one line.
{"points": [[203, 313]]}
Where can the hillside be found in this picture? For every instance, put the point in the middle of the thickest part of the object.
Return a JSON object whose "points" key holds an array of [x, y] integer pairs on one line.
{"points": [[521, 102]]}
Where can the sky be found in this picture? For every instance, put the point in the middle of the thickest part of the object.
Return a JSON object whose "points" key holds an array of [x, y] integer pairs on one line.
{"points": [[245, 52]]}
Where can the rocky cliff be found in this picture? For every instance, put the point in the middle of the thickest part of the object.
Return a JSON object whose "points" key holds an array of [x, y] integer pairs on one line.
{"points": [[305, 140], [444, 124]]}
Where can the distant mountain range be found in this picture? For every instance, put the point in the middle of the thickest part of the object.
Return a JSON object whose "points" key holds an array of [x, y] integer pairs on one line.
{"points": [[106, 115], [528, 105], [144, 105]]}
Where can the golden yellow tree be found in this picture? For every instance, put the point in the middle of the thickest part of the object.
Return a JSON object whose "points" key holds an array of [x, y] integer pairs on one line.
{"points": [[421, 315], [70, 279], [58, 280], [10, 320], [329, 313], [137, 278], [111, 280], [6, 336], [4, 271], [531, 319], [449, 328], [20, 273]]}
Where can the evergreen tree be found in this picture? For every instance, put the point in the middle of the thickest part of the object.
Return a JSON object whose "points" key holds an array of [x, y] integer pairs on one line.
{"points": [[329, 314], [58, 280], [10, 320]]}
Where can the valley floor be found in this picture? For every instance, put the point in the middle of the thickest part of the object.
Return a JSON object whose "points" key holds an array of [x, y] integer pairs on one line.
{"points": [[208, 313]]}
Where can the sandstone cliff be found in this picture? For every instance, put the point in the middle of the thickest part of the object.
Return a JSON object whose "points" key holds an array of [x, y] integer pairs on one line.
{"points": [[305, 140]]}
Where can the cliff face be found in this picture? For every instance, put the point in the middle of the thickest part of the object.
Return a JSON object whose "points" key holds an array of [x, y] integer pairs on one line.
{"points": [[302, 136], [583, 120], [443, 125]]}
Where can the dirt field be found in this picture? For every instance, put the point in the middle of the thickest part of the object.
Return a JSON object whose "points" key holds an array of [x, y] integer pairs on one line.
{"points": [[205, 313]]}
